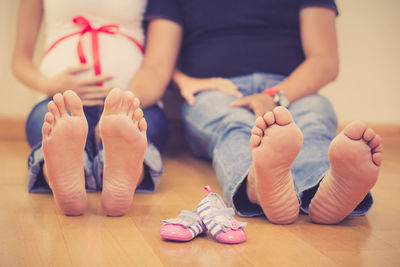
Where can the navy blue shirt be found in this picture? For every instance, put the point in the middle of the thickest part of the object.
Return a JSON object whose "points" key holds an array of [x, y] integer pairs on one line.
{"points": [[227, 38]]}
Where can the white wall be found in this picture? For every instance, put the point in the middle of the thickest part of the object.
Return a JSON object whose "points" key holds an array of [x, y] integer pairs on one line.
{"points": [[368, 87], [16, 100]]}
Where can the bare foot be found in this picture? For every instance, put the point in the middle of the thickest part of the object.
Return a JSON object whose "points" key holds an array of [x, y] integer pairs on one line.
{"points": [[123, 132], [276, 141], [355, 156], [63, 145]]}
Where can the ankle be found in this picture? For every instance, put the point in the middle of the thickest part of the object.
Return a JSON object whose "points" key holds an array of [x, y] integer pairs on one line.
{"points": [[251, 188], [141, 176], [45, 174]]}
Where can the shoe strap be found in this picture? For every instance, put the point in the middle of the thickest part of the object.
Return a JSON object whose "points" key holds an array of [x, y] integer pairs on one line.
{"points": [[189, 214], [228, 212]]}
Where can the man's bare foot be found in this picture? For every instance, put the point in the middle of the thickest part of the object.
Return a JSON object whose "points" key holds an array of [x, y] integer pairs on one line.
{"points": [[355, 156], [276, 140], [64, 138], [123, 132]]}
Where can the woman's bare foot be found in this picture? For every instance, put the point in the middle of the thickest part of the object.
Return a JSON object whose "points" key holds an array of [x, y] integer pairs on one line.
{"points": [[123, 132], [355, 156], [64, 138], [276, 141]]}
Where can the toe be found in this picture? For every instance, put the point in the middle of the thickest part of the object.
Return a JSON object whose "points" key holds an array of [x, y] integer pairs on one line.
{"points": [[355, 130], [127, 103], [59, 101], [255, 141], [54, 109], [378, 149], [369, 134], [143, 125], [138, 115], [136, 103], [282, 116], [269, 118], [377, 158], [46, 130], [73, 103], [257, 131], [113, 101], [134, 107], [49, 118], [260, 123], [375, 142]]}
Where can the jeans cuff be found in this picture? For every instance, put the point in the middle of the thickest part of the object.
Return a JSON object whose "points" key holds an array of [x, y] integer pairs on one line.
{"points": [[36, 181], [241, 203], [152, 169], [307, 195]]}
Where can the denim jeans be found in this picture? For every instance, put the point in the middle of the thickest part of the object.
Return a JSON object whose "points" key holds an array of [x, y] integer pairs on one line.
{"points": [[219, 132], [157, 134]]}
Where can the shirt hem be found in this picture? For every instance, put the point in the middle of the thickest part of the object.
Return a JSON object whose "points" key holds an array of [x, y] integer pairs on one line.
{"points": [[328, 6]]}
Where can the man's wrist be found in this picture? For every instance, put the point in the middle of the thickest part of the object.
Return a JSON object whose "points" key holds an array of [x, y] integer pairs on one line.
{"points": [[279, 97], [270, 91]]}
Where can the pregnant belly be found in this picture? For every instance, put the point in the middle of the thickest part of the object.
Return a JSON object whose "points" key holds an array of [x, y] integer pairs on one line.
{"points": [[119, 57]]}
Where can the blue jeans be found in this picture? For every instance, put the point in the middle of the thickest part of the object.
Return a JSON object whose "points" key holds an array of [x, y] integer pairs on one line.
{"points": [[157, 134], [219, 132]]}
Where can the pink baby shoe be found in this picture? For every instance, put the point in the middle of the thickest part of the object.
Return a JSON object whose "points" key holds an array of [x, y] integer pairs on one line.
{"points": [[219, 221], [185, 227]]}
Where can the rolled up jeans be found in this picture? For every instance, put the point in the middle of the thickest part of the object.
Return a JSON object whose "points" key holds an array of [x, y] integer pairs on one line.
{"points": [[221, 133], [157, 134]]}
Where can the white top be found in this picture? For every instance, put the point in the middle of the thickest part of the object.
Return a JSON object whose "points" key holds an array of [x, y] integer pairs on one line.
{"points": [[119, 56]]}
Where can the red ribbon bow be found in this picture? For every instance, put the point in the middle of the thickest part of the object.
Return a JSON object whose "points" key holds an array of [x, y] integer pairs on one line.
{"points": [[87, 28]]}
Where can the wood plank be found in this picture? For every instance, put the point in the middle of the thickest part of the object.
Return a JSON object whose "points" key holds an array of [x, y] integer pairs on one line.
{"points": [[12, 128], [35, 233]]}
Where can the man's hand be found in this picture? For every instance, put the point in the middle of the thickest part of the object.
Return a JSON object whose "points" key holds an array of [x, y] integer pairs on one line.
{"points": [[86, 88], [258, 103], [189, 86]]}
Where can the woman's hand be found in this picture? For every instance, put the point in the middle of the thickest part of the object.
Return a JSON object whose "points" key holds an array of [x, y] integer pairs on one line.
{"points": [[88, 89], [189, 86], [258, 103]]}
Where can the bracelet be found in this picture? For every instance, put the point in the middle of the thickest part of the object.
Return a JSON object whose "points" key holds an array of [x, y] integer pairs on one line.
{"points": [[270, 91]]}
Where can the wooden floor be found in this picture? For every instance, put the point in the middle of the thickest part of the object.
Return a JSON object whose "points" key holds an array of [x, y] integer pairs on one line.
{"points": [[35, 233]]}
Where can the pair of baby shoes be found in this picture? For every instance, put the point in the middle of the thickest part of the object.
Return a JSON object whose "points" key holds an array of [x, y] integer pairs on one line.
{"points": [[210, 215]]}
